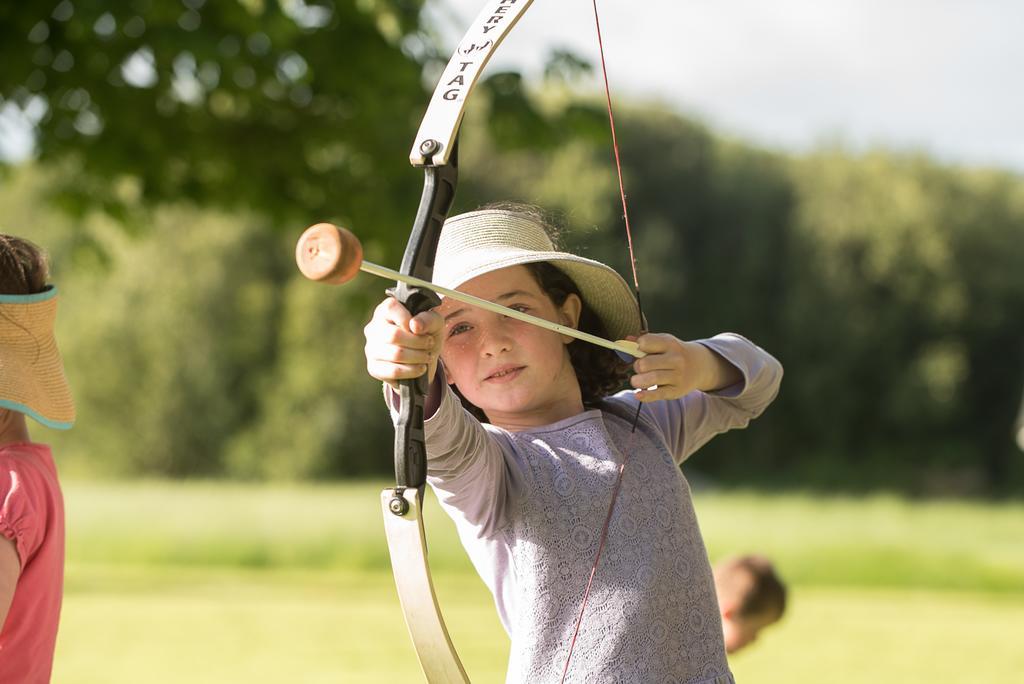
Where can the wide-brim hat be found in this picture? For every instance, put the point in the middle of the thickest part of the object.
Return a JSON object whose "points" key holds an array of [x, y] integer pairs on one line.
{"points": [[32, 379], [482, 241]]}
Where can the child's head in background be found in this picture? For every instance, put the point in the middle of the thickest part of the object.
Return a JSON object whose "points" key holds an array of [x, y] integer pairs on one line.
{"points": [[23, 268], [750, 596]]}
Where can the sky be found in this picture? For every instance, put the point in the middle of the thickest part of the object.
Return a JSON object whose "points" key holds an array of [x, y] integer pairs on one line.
{"points": [[942, 76]]}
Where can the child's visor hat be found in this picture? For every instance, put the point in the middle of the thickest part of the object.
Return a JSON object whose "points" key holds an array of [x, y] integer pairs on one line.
{"points": [[32, 379], [479, 242]]}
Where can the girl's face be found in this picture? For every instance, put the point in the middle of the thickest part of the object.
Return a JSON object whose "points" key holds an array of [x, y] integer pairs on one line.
{"points": [[518, 374]]}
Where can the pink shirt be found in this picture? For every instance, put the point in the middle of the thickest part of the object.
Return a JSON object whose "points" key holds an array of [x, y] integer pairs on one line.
{"points": [[32, 516]]}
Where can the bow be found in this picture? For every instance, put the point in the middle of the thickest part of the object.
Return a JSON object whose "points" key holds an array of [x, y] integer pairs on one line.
{"points": [[436, 151]]}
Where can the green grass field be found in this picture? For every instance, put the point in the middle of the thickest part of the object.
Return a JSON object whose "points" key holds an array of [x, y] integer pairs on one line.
{"points": [[206, 582]]}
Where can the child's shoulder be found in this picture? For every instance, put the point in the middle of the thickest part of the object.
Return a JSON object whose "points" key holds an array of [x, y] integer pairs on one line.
{"points": [[25, 451], [649, 417], [26, 464]]}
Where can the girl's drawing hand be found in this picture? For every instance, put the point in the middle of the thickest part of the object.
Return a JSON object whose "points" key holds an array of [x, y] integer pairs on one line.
{"points": [[400, 346], [674, 368]]}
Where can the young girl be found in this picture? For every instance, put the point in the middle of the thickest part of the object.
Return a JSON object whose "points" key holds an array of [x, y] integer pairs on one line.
{"points": [[32, 383], [524, 452]]}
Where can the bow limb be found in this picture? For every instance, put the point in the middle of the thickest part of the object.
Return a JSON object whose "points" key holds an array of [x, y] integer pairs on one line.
{"points": [[436, 151], [407, 544], [439, 129]]}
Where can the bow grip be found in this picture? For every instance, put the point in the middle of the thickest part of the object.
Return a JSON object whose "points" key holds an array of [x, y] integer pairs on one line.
{"points": [[410, 444], [438, 192]]}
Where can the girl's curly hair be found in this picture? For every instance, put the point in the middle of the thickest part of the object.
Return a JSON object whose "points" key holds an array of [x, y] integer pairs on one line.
{"points": [[600, 371], [23, 268]]}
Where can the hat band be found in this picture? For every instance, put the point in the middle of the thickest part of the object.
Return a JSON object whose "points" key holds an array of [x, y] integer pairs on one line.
{"points": [[32, 413], [48, 293]]}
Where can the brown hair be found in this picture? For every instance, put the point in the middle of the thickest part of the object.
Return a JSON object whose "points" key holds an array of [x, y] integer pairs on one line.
{"points": [[755, 585], [599, 371], [23, 269]]}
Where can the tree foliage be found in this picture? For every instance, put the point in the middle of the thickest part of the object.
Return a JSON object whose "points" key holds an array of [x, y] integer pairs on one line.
{"points": [[286, 109], [289, 109]]}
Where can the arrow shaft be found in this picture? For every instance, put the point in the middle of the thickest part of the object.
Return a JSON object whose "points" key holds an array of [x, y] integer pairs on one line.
{"points": [[624, 346]]}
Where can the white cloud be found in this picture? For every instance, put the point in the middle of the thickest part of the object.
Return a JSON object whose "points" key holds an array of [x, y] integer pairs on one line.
{"points": [[938, 74]]}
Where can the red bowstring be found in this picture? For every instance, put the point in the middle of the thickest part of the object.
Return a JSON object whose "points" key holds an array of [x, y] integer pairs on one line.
{"points": [[615, 147], [636, 285], [600, 546]]}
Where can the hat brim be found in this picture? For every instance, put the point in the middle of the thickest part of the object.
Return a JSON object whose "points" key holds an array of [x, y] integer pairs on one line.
{"points": [[600, 286], [32, 379]]}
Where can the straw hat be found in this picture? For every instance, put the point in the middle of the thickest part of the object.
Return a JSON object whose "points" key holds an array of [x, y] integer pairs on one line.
{"points": [[31, 372], [483, 241]]}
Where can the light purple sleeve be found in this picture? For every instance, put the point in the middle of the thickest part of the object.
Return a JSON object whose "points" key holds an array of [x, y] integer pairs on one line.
{"points": [[689, 422], [473, 472], [466, 464]]}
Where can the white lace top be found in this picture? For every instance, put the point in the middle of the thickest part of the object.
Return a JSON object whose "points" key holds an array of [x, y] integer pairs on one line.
{"points": [[529, 507]]}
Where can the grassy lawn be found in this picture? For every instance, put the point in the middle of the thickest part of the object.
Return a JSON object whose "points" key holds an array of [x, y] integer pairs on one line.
{"points": [[204, 582], [213, 625]]}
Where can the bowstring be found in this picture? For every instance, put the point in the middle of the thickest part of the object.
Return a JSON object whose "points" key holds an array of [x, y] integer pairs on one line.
{"points": [[618, 160], [636, 292]]}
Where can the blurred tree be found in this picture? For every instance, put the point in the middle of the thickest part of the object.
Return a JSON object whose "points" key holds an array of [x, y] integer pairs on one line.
{"points": [[987, 212], [196, 349], [910, 277], [319, 415], [166, 343], [291, 109], [287, 109]]}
